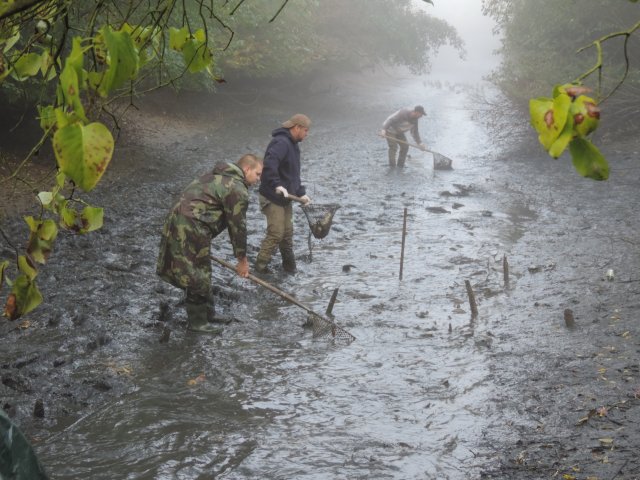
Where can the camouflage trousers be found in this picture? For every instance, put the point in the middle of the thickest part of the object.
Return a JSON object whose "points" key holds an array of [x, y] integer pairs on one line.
{"points": [[279, 235], [393, 149], [183, 260]]}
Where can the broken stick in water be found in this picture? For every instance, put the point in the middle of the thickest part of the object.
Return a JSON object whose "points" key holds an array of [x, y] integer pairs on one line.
{"points": [[472, 299]]}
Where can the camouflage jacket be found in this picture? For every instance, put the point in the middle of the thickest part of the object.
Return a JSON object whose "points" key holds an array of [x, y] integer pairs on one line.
{"points": [[219, 200]]}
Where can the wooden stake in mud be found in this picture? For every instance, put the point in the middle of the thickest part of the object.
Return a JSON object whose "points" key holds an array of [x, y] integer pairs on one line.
{"points": [[404, 235], [568, 318], [472, 299], [332, 301], [505, 270]]}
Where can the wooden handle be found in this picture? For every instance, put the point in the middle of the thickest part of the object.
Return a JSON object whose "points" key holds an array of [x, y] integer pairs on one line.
{"points": [[296, 199], [266, 285], [406, 143]]}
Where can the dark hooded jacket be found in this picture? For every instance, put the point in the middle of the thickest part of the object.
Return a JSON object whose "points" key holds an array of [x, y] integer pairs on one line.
{"points": [[281, 167]]}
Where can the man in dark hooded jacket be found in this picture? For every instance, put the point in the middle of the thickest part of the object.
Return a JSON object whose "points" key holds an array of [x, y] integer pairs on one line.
{"points": [[214, 202], [281, 177]]}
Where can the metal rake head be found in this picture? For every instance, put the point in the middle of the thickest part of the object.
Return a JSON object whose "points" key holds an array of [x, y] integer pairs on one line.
{"points": [[325, 328]]}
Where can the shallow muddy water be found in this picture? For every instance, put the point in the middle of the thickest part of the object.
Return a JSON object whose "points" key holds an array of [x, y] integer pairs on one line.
{"points": [[425, 391]]}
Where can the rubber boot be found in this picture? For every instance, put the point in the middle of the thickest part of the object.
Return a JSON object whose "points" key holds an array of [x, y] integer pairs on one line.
{"points": [[198, 313], [288, 261], [262, 265], [213, 318], [402, 156], [392, 158]]}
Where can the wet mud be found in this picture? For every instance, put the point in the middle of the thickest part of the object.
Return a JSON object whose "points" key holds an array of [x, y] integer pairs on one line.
{"points": [[106, 382]]}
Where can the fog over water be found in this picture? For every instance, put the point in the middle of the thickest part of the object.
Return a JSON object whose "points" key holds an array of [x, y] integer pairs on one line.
{"points": [[477, 32]]}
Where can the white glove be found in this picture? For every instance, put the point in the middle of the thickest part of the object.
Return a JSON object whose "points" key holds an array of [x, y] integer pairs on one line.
{"points": [[423, 146], [305, 199], [282, 191]]}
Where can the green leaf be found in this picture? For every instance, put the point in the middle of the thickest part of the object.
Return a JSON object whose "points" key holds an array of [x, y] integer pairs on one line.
{"points": [[3, 267], [146, 39], [560, 144], [11, 41], [24, 297], [47, 116], [45, 198], [178, 37], [548, 117], [587, 159], [197, 55], [123, 60], [41, 239], [92, 219], [70, 90], [60, 178], [83, 152], [75, 59], [26, 267], [68, 217], [27, 66]]}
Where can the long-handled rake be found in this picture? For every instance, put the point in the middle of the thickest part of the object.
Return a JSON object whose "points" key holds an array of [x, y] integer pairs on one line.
{"points": [[440, 162], [321, 325]]}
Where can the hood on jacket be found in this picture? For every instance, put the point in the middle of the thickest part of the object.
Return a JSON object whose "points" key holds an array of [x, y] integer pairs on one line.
{"points": [[229, 170]]}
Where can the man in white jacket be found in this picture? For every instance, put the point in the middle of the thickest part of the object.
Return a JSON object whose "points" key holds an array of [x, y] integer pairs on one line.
{"points": [[394, 128]]}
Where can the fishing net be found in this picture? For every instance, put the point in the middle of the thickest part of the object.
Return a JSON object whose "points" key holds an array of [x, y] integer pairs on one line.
{"points": [[440, 162], [324, 328], [320, 217]]}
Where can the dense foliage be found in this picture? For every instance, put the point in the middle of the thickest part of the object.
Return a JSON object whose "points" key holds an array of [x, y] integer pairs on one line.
{"points": [[75, 59]]}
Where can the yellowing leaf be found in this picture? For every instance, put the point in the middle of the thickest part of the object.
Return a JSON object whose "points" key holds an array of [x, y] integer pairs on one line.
{"points": [[123, 60], [587, 159], [548, 117], [91, 218], [70, 90], [83, 152], [178, 37], [27, 267], [3, 266], [27, 66], [41, 240], [24, 297]]}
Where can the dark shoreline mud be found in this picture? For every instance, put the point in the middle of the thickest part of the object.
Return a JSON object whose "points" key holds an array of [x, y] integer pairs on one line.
{"points": [[555, 400]]}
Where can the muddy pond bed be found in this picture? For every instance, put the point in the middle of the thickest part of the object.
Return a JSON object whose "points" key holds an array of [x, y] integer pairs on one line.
{"points": [[426, 391]]}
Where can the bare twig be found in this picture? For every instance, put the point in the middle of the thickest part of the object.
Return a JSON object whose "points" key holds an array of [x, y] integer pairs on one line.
{"points": [[598, 66]]}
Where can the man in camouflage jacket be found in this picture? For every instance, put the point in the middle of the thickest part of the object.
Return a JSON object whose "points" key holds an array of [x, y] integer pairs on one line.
{"points": [[214, 202]]}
